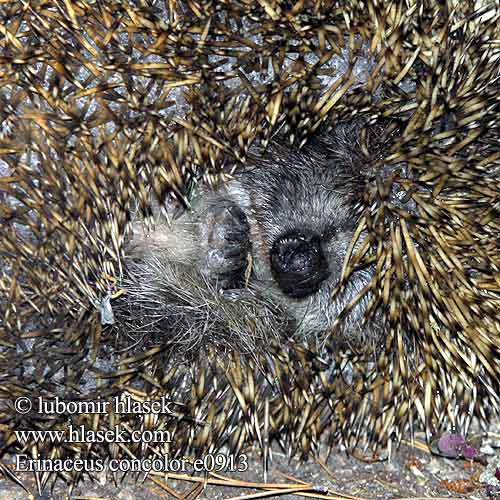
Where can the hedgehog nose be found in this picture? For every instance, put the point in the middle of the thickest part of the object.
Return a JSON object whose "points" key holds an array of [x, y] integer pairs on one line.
{"points": [[298, 264]]}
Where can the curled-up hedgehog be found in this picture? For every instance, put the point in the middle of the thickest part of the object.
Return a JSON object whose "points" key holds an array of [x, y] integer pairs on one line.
{"points": [[261, 256]]}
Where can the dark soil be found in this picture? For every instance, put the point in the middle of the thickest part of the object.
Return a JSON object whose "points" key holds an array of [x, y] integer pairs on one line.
{"points": [[410, 474]]}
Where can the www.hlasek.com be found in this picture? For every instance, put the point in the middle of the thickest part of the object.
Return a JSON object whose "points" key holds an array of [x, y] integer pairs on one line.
{"points": [[81, 434]]}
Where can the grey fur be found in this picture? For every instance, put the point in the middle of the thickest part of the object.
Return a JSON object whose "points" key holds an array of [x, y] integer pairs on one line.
{"points": [[219, 253]]}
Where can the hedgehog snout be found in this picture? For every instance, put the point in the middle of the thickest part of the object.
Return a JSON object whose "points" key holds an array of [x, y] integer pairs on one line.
{"points": [[298, 263]]}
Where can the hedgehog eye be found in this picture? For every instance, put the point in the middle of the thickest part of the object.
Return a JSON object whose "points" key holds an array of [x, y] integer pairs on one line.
{"points": [[329, 232]]}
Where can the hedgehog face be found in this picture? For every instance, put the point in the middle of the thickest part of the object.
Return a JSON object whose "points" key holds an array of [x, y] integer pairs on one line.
{"points": [[282, 227], [299, 208]]}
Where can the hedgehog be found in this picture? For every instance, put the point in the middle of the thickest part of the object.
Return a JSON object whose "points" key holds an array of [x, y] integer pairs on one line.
{"points": [[333, 278], [276, 234]]}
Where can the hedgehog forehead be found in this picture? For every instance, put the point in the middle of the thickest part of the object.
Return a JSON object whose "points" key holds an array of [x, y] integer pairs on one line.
{"points": [[293, 193]]}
